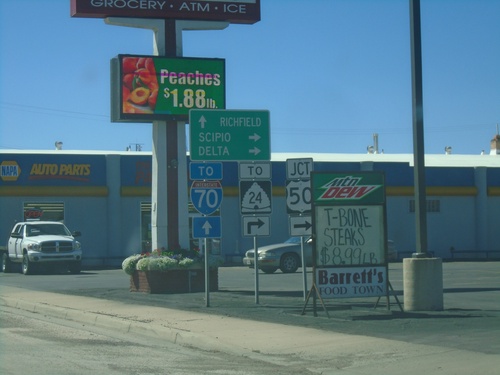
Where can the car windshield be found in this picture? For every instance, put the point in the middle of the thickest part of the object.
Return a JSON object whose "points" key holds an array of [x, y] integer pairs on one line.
{"points": [[294, 240], [44, 229]]}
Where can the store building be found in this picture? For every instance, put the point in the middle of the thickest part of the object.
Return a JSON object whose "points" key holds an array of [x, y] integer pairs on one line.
{"points": [[107, 196]]}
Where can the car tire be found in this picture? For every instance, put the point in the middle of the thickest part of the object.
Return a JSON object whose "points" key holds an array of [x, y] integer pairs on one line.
{"points": [[6, 263], [289, 263], [28, 267], [75, 267], [269, 269]]}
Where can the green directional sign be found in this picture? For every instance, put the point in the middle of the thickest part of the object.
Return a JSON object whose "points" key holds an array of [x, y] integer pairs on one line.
{"points": [[238, 135]]}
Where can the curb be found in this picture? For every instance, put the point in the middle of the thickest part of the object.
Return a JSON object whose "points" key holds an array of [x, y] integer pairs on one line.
{"points": [[124, 326]]}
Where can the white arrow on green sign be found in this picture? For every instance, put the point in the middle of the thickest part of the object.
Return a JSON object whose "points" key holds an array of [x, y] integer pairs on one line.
{"points": [[238, 135]]}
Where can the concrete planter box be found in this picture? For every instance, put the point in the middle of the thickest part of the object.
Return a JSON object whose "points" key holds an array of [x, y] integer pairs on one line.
{"points": [[173, 281]]}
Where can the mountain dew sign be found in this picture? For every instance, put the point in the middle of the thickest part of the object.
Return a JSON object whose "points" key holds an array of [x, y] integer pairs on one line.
{"points": [[341, 188], [350, 237]]}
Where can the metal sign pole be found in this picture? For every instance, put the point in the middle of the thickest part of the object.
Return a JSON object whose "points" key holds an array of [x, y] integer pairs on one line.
{"points": [[256, 267], [304, 268], [418, 132], [207, 278]]}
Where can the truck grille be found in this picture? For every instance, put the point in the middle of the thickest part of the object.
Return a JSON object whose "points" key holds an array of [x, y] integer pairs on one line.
{"points": [[57, 247]]}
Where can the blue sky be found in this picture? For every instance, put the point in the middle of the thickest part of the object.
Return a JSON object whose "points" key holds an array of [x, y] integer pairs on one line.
{"points": [[331, 72]]}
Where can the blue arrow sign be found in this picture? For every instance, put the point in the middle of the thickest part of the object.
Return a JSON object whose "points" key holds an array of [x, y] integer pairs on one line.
{"points": [[206, 227]]}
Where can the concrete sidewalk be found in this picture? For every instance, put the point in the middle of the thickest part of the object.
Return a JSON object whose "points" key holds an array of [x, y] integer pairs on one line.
{"points": [[356, 339]]}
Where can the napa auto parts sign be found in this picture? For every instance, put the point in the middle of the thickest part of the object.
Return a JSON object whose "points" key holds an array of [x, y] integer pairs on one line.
{"points": [[146, 88], [25, 170], [350, 254], [235, 11]]}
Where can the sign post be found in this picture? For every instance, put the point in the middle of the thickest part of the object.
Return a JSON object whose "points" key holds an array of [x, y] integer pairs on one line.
{"points": [[298, 201], [255, 201]]}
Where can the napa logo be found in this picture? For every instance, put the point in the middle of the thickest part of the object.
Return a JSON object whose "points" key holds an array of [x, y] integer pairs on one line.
{"points": [[348, 187], [9, 170]]}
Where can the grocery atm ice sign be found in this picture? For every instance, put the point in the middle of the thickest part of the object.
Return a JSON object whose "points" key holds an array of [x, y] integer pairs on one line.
{"points": [[148, 88], [234, 11]]}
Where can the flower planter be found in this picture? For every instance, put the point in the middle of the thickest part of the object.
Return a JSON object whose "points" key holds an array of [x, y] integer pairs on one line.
{"points": [[173, 281]]}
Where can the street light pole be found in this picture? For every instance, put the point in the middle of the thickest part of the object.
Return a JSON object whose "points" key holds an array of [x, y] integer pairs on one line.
{"points": [[418, 132]]}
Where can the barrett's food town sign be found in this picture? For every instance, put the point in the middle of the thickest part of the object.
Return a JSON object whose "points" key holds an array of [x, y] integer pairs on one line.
{"points": [[236, 11]]}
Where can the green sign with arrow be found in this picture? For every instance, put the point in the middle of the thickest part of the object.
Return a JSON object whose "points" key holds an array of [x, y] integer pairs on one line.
{"points": [[238, 135]]}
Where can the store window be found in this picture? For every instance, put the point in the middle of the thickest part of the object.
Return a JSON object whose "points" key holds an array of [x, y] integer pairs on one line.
{"points": [[49, 211], [433, 205], [146, 237]]}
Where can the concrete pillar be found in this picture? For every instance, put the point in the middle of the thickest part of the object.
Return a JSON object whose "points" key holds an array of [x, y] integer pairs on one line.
{"points": [[114, 246], [423, 284]]}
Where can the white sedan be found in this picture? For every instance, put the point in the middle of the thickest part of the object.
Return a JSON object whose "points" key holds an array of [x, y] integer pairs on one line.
{"points": [[286, 256]]}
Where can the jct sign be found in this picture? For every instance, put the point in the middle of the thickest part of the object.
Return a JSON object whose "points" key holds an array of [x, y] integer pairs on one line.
{"points": [[238, 11]]}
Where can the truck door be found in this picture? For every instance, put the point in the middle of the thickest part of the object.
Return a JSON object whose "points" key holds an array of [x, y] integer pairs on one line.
{"points": [[15, 243]]}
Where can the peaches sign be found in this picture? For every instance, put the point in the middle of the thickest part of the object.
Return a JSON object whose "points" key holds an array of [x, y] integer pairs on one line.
{"points": [[147, 88]]}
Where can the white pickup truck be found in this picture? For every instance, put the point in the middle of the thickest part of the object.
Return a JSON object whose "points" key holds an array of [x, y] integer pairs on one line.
{"points": [[36, 244]]}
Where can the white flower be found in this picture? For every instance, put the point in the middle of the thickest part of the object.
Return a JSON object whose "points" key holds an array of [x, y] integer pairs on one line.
{"points": [[143, 264], [161, 263], [129, 264]]}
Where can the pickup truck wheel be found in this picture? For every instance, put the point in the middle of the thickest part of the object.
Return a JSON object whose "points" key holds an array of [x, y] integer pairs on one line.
{"points": [[28, 266], [289, 263], [6, 263], [75, 267]]}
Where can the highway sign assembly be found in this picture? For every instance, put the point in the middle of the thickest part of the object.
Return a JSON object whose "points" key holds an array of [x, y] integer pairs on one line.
{"points": [[205, 171], [300, 225], [207, 227], [299, 168], [206, 196], [298, 196], [256, 226], [255, 171], [255, 197], [237, 135]]}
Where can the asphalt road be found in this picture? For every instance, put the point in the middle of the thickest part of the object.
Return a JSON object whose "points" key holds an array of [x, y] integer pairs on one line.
{"points": [[35, 344], [465, 284], [470, 320]]}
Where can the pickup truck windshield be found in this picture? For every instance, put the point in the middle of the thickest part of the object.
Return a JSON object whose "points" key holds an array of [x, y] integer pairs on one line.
{"points": [[44, 229]]}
